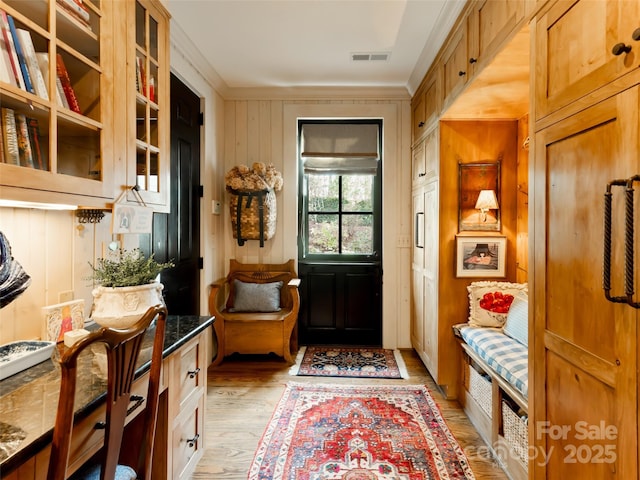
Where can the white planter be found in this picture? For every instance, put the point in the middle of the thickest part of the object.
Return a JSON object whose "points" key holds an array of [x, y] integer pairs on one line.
{"points": [[120, 307]]}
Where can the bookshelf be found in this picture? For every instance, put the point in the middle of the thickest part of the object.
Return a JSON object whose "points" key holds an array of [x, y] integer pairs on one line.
{"points": [[72, 115]]}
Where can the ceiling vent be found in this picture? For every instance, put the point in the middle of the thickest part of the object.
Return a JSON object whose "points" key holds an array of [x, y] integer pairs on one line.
{"points": [[370, 57]]}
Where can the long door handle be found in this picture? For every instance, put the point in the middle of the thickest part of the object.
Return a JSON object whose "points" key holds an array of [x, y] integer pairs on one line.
{"points": [[419, 228], [629, 254]]}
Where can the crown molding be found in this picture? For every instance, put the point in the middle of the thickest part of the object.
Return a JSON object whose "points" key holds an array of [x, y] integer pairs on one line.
{"points": [[318, 93], [443, 25]]}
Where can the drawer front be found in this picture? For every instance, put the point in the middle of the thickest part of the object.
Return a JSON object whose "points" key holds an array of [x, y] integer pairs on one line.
{"points": [[188, 440], [191, 371]]}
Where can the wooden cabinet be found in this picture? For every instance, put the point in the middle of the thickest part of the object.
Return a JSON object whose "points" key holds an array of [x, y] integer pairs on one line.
{"points": [[72, 138], [187, 387], [145, 155], [425, 323], [426, 104], [424, 164], [118, 137], [575, 53], [585, 348], [455, 65], [489, 24]]}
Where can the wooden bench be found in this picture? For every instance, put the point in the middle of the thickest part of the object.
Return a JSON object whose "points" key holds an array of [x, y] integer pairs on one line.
{"points": [[256, 331]]}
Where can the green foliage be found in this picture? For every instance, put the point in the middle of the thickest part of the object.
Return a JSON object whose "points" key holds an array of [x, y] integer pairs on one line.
{"points": [[127, 268]]}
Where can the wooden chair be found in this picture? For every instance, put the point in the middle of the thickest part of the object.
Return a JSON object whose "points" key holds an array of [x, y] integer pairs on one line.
{"points": [[256, 332], [122, 347]]}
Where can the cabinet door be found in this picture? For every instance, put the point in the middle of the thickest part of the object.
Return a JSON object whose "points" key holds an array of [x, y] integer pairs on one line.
{"points": [[148, 157], [431, 257], [57, 117], [417, 270], [583, 360], [426, 104], [417, 163], [574, 43], [489, 24], [418, 115], [455, 65]]}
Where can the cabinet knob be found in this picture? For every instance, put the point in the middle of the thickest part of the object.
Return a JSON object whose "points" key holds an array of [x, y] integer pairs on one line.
{"points": [[420, 124], [421, 174], [620, 48], [193, 373], [192, 441], [461, 73], [636, 34], [473, 60]]}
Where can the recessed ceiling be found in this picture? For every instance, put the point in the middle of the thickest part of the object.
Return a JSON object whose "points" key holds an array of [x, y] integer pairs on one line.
{"points": [[310, 43]]}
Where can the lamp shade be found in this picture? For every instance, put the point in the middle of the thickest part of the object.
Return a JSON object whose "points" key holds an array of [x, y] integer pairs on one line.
{"points": [[487, 200]]}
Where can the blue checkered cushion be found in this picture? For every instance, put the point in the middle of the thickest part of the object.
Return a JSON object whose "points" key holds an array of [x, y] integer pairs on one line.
{"points": [[501, 352]]}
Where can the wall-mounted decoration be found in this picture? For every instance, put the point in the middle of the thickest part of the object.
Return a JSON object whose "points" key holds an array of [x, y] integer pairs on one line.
{"points": [[479, 196], [130, 218], [483, 256], [61, 318], [252, 206]]}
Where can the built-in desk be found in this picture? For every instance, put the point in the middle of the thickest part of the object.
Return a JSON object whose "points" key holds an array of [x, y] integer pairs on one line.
{"points": [[29, 400]]}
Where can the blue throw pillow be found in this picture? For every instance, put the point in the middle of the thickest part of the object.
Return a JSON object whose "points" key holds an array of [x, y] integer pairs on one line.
{"points": [[517, 324], [256, 297]]}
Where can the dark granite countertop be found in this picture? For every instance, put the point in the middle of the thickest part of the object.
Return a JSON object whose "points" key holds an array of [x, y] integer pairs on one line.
{"points": [[29, 399]]}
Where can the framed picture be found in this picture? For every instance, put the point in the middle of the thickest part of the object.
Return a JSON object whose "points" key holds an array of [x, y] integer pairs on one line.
{"points": [[61, 318], [480, 256], [474, 178]]}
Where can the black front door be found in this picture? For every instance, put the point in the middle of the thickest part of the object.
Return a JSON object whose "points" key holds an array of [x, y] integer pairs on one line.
{"points": [[176, 235], [340, 243]]}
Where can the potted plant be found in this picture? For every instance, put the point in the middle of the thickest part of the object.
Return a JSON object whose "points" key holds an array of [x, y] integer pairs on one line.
{"points": [[127, 286]]}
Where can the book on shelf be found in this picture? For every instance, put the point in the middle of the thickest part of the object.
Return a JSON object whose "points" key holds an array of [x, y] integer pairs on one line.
{"points": [[39, 158], [13, 56], [78, 8], [73, 13], [6, 69], [28, 86], [10, 136], [43, 62], [69, 92], [24, 144], [2, 159], [37, 78], [140, 77]]}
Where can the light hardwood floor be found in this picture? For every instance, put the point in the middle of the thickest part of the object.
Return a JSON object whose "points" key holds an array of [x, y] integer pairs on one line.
{"points": [[243, 392]]}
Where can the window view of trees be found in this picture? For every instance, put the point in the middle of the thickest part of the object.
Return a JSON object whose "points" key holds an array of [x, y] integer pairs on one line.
{"points": [[340, 214]]}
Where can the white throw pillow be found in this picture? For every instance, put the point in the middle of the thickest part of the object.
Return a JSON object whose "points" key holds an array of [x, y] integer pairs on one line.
{"points": [[517, 324], [489, 302]]}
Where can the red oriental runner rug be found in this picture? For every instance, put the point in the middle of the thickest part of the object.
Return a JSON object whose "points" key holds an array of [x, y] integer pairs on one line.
{"points": [[356, 362], [330, 432]]}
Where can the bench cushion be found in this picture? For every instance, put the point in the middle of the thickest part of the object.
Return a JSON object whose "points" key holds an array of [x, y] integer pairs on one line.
{"points": [[505, 355]]}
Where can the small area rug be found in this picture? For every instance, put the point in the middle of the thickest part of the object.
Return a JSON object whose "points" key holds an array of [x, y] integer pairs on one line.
{"points": [[322, 361], [372, 432]]}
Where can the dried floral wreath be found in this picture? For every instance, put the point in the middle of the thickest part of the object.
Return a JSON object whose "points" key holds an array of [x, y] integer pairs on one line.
{"points": [[258, 177]]}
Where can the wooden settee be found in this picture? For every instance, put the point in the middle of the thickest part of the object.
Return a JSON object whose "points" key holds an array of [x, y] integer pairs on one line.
{"points": [[256, 331]]}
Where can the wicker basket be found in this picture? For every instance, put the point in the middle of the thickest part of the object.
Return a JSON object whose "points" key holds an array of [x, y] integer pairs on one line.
{"points": [[253, 215], [480, 390], [515, 433]]}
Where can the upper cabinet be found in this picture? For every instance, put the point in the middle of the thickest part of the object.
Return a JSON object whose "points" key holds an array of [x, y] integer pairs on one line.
{"points": [[489, 23], [147, 114], [576, 54], [455, 65], [89, 108], [426, 104], [57, 136]]}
